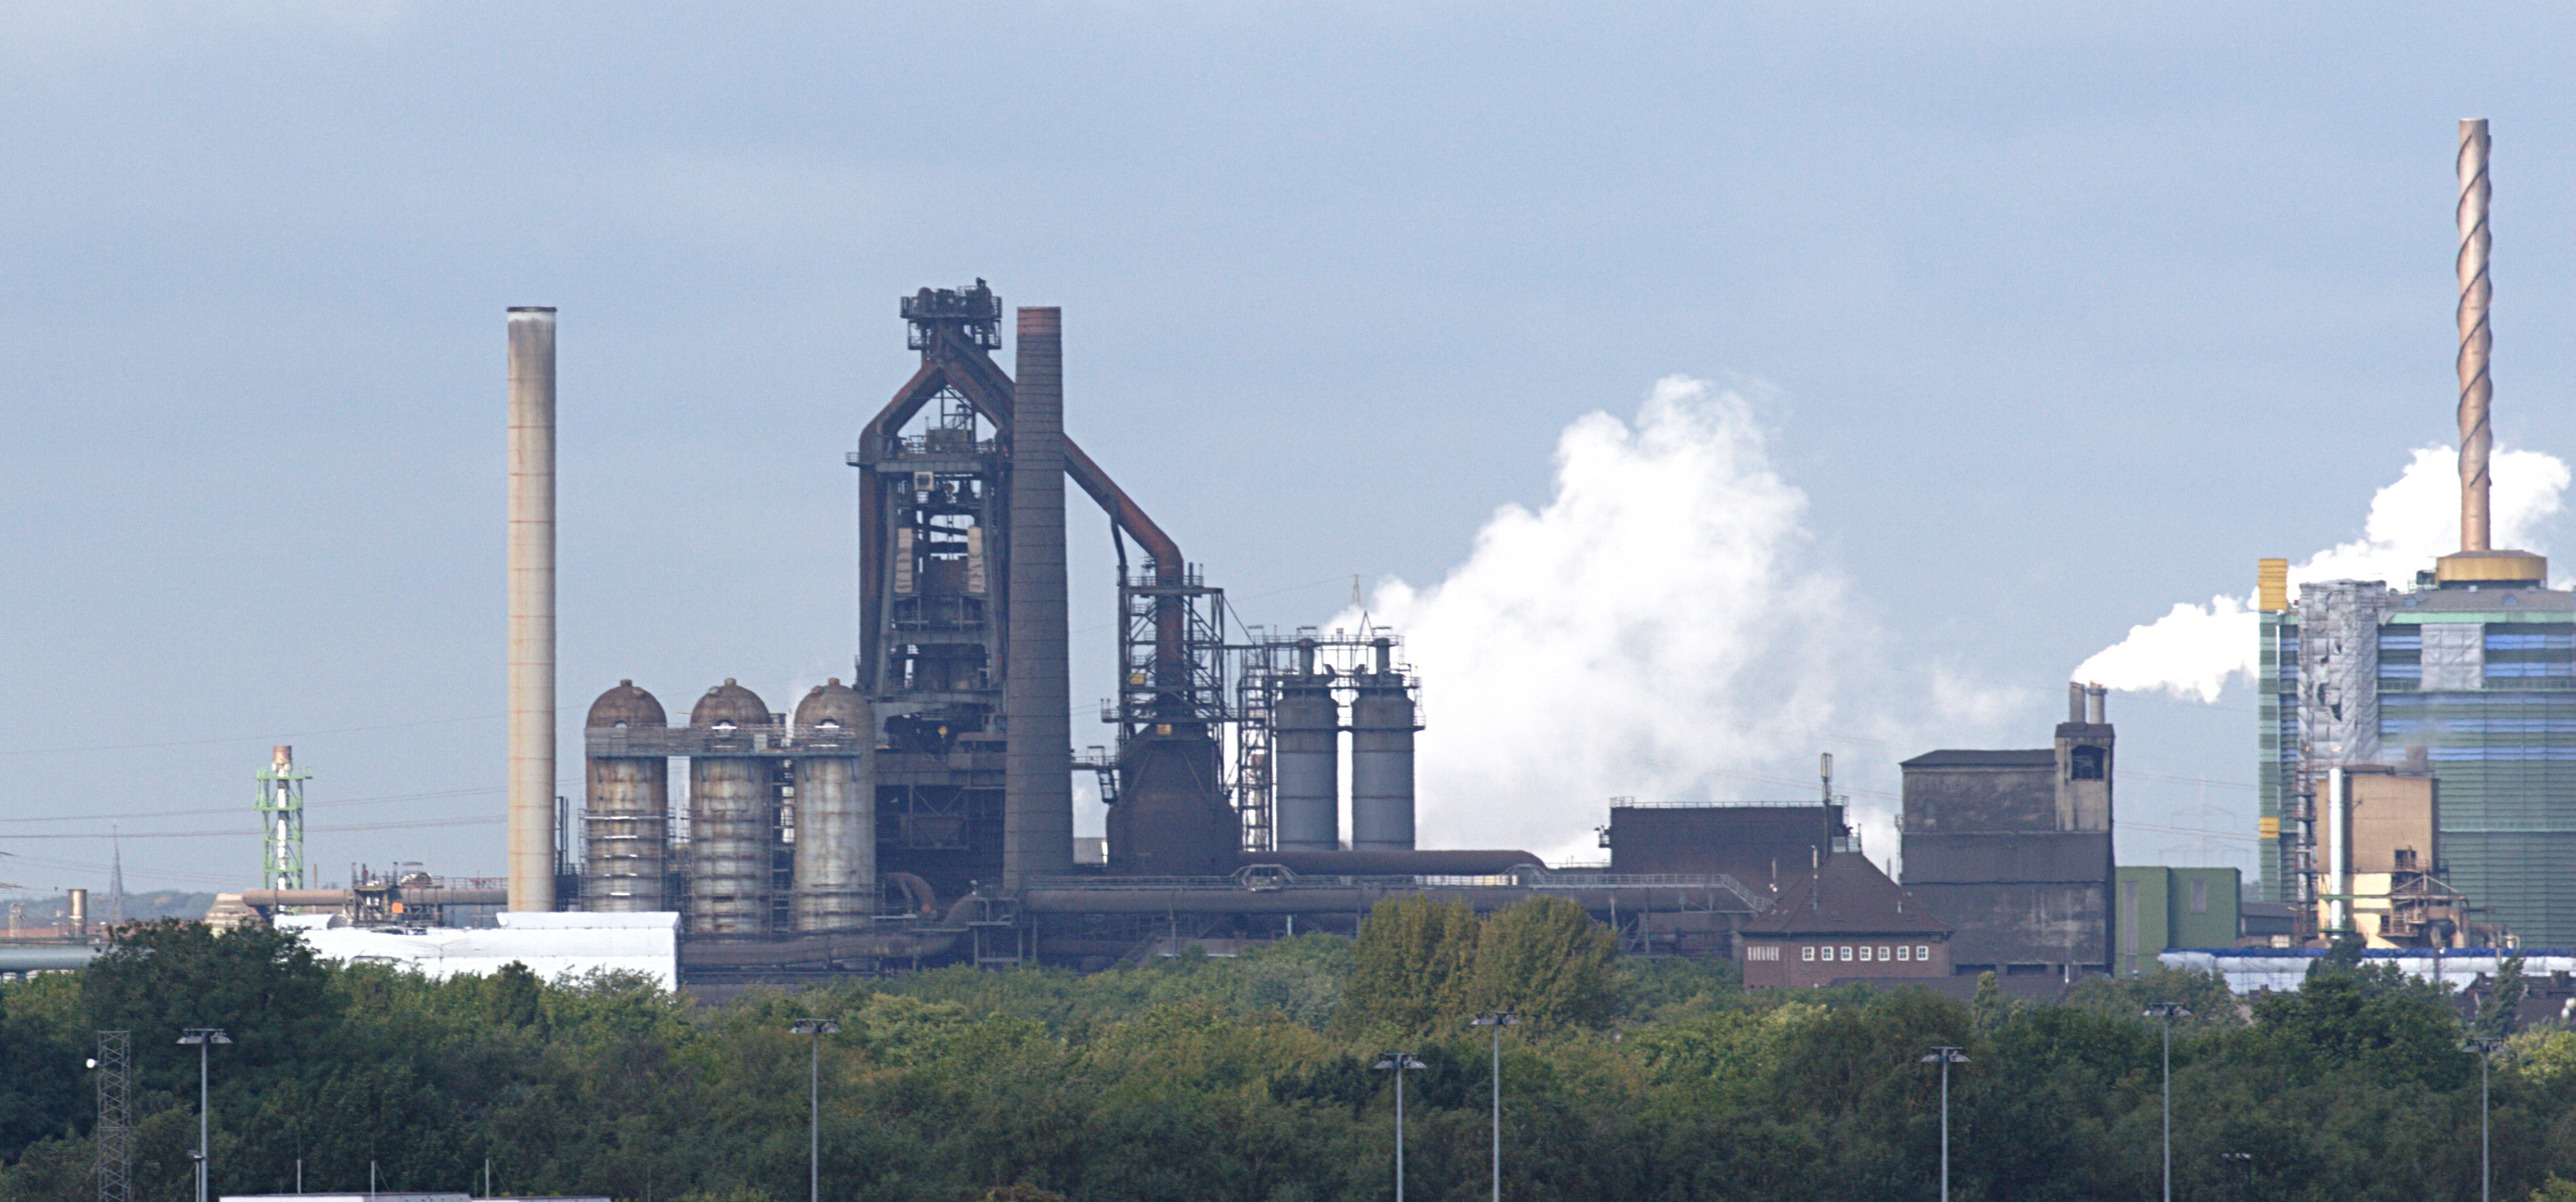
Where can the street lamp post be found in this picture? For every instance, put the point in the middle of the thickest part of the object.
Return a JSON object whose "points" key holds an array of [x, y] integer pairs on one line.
{"points": [[818, 1028], [1498, 1019], [202, 1036], [1398, 1061], [2168, 1011], [2485, 1047], [1945, 1057]]}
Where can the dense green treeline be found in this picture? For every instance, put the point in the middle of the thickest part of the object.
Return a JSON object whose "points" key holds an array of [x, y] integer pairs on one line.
{"points": [[1250, 1079]]}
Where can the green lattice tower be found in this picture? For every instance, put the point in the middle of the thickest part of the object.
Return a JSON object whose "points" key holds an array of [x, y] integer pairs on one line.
{"points": [[281, 820]]}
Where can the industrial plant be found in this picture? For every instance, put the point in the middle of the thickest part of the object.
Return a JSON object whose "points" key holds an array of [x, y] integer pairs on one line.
{"points": [[923, 811], [2417, 782], [2418, 772]]}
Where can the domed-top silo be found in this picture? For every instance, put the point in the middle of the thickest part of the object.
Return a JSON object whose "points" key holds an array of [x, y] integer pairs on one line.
{"points": [[1382, 726], [728, 822], [629, 806], [836, 824], [1306, 799]]}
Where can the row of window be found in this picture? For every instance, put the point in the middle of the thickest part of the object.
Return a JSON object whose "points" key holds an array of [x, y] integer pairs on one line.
{"points": [[2492, 668], [2437, 701], [2480, 726], [2524, 639], [1897, 955]]}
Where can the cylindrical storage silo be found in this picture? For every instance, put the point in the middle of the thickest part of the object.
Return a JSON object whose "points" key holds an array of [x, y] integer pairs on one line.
{"points": [[836, 820], [627, 833], [1306, 796], [728, 821], [1382, 726]]}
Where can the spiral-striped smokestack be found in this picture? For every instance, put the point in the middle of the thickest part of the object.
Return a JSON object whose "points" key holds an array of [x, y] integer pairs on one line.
{"points": [[2477, 392]]}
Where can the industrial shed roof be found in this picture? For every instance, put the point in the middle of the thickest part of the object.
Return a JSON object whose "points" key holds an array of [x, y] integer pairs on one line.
{"points": [[1847, 895], [2043, 757]]}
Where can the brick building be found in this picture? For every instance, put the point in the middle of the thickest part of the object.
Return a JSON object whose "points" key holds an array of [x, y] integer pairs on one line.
{"points": [[1844, 919]]}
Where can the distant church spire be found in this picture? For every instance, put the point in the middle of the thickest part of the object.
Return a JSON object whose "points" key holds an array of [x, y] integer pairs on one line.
{"points": [[115, 880]]}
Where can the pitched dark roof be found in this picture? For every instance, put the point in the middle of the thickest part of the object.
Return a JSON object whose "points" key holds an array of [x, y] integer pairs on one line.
{"points": [[2044, 757], [1847, 896]]}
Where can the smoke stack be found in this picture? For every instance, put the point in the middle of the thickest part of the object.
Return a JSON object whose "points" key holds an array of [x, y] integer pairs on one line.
{"points": [[2097, 704], [2075, 701], [532, 608], [1037, 696], [2477, 562], [2477, 392]]}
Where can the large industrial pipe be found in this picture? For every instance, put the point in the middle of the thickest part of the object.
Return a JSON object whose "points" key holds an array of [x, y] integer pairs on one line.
{"points": [[2477, 392], [1306, 797], [836, 821], [1037, 697], [1358, 899], [532, 609], [628, 810], [1382, 726]]}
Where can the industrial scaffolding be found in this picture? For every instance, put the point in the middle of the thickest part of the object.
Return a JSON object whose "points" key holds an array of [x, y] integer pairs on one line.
{"points": [[281, 820]]}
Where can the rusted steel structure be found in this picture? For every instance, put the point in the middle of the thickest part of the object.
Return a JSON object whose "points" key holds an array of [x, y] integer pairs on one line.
{"points": [[926, 809]]}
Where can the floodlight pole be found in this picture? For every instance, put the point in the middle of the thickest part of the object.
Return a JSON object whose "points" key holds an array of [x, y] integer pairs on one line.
{"points": [[1498, 1019], [2168, 1011], [2485, 1047], [1398, 1061], [1945, 1056], [202, 1037], [818, 1028]]}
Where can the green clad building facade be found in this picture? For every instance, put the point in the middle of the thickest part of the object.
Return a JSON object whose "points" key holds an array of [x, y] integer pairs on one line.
{"points": [[2475, 681]]}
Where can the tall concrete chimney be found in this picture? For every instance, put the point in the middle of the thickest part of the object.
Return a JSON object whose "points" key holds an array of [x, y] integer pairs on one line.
{"points": [[532, 609], [1037, 696], [2477, 439]]}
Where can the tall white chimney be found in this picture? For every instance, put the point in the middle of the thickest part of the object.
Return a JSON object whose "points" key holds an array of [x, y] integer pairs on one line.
{"points": [[532, 609]]}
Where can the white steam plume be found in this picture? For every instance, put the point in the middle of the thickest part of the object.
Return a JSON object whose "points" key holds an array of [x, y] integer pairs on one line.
{"points": [[2194, 650], [1658, 628]]}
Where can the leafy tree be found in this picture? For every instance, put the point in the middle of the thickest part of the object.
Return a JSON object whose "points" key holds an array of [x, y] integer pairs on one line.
{"points": [[1547, 962], [2503, 1003], [1413, 967]]}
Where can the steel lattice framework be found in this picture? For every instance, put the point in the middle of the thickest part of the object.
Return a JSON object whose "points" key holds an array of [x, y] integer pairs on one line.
{"points": [[115, 1134]]}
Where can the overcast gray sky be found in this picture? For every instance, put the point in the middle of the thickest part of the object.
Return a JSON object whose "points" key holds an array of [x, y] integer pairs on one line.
{"points": [[2054, 317]]}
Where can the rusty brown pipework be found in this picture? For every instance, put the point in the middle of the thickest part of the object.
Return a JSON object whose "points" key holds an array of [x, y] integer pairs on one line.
{"points": [[950, 361]]}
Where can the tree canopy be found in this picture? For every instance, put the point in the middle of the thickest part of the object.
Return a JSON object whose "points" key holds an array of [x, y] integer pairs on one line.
{"points": [[1249, 1078]]}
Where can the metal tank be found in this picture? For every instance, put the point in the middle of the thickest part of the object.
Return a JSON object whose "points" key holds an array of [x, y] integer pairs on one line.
{"points": [[1382, 726], [729, 819], [1171, 818], [836, 823], [1306, 805], [627, 832]]}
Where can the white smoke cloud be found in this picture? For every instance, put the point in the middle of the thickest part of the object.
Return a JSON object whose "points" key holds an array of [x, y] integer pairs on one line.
{"points": [[2194, 650], [1659, 628]]}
